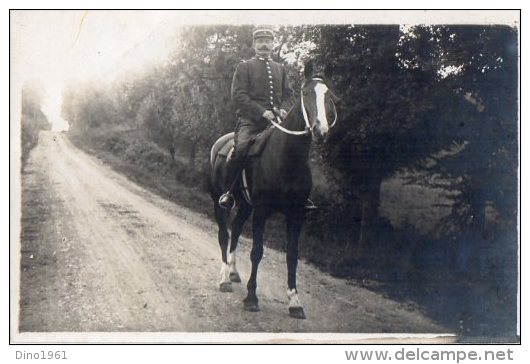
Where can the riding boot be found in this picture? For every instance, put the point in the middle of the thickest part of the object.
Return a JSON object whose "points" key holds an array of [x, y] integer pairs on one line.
{"points": [[233, 170]]}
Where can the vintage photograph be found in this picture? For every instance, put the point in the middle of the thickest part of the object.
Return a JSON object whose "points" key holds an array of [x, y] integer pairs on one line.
{"points": [[264, 176]]}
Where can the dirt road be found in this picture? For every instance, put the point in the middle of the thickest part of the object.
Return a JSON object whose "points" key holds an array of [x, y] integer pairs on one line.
{"points": [[100, 253]]}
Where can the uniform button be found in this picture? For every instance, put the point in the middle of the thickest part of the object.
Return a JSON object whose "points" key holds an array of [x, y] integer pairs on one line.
{"points": [[270, 77]]}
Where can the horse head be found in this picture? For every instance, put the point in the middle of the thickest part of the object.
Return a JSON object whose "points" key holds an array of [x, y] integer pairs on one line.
{"points": [[318, 104]]}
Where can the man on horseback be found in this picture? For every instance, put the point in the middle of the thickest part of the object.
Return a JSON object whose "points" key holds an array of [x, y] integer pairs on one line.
{"points": [[260, 92]]}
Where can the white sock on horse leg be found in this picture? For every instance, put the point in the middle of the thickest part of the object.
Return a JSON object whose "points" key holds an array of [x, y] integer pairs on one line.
{"points": [[232, 261], [225, 273], [292, 295]]}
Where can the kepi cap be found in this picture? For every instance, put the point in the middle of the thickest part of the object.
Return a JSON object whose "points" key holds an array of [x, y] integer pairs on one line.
{"points": [[263, 32]]}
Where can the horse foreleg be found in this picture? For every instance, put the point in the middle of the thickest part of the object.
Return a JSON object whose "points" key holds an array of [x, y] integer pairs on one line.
{"points": [[233, 274], [225, 285], [294, 226], [258, 227], [237, 227]]}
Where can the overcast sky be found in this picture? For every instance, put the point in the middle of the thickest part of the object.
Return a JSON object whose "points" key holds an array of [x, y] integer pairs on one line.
{"points": [[57, 46]]}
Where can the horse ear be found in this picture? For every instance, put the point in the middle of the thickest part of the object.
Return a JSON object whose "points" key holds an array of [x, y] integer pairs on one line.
{"points": [[309, 67]]}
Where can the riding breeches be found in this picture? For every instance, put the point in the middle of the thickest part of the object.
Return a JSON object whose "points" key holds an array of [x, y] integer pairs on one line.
{"points": [[246, 130]]}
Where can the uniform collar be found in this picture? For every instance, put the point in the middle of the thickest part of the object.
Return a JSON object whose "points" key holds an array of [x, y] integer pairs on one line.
{"points": [[263, 58]]}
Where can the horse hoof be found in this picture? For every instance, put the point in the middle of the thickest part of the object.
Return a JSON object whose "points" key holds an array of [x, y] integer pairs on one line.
{"points": [[225, 287], [297, 312], [234, 277], [251, 306]]}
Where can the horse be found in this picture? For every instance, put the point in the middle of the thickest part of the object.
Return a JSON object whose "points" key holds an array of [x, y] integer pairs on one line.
{"points": [[279, 181]]}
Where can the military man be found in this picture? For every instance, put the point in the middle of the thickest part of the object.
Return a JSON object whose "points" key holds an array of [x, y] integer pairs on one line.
{"points": [[260, 92]]}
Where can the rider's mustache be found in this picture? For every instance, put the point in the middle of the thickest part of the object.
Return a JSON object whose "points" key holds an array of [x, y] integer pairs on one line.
{"points": [[264, 48]]}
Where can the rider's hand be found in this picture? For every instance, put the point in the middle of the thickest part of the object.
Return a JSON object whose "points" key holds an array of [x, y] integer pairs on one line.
{"points": [[283, 114], [268, 115]]}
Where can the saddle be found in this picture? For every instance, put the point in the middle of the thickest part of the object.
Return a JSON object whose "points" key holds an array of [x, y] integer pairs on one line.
{"points": [[224, 146]]}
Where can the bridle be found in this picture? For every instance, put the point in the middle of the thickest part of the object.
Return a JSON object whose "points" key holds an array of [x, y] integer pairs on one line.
{"points": [[308, 126]]}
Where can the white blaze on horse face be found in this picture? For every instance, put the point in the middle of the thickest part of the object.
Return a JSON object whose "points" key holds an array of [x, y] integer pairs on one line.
{"points": [[320, 90]]}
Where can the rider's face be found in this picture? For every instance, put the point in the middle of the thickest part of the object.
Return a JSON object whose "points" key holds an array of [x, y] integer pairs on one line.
{"points": [[263, 46]]}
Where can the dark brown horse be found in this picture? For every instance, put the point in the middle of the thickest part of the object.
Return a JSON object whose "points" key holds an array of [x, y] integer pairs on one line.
{"points": [[279, 181]]}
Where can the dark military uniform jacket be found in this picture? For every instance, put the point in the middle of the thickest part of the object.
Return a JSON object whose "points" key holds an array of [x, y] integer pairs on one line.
{"points": [[260, 84]]}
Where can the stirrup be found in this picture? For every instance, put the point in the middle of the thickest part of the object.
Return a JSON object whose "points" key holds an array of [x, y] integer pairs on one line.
{"points": [[227, 201], [310, 205]]}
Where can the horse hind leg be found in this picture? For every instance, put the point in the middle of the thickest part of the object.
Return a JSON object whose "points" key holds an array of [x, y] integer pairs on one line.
{"points": [[221, 216], [237, 227]]}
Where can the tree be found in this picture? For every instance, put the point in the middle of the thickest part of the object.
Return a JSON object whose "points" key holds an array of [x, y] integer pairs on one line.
{"points": [[412, 93], [386, 107], [88, 105], [486, 60], [32, 118]]}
